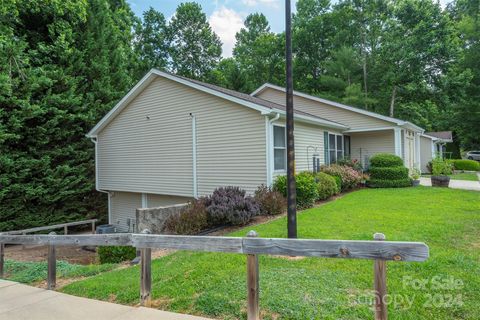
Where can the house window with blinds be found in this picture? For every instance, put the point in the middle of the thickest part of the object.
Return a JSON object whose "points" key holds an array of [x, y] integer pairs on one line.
{"points": [[279, 148], [335, 147]]}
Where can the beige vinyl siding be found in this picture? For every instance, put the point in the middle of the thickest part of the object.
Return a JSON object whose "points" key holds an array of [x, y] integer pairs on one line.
{"points": [[160, 200], [155, 155], [349, 118], [123, 206], [306, 136], [365, 144], [425, 153]]}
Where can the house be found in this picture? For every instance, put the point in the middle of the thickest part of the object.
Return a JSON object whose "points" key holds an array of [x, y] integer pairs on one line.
{"points": [[171, 139]]}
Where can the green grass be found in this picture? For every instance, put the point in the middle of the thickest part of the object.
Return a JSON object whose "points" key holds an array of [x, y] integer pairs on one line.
{"points": [[464, 176], [469, 176], [31, 272], [213, 285]]}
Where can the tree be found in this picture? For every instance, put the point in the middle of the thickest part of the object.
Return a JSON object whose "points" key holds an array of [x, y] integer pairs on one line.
{"points": [[259, 53], [194, 48], [151, 41], [313, 32], [62, 64], [465, 114]]}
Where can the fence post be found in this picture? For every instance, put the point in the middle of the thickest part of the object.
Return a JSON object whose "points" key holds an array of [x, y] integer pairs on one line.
{"points": [[146, 274], [93, 227], [52, 266], [380, 283], [65, 230], [2, 259], [253, 312]]}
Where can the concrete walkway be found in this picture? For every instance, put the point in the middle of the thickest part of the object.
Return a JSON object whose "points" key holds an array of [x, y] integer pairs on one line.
{"points": [[19, 302], [454, 184]]}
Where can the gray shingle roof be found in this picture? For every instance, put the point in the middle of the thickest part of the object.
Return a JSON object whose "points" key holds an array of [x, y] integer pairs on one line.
{"points": [[252, 99], [444, 135]]}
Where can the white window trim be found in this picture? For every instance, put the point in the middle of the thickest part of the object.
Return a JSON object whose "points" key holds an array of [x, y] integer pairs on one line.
{"points": [[273, 148], [336, 150]]}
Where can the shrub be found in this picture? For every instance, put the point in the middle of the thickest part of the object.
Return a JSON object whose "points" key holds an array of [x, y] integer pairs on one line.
{"points": [[441, 167], [116, 254], [393, 173], [415, 173], [192, 220], [401, 183], [355, 164], [464, 164], [230, 206], [338, 182], [387, 171], [326, 185], [386, 160], [271, 202], [348, 176], [429, 166], [306, 188]]}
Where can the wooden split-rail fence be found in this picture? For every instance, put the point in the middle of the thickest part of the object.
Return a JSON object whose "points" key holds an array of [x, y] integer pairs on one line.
{"points": [[378, 250]]}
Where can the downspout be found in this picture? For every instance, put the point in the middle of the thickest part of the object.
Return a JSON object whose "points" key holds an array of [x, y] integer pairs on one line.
{"points": [[270, 150], [194, 155], [95, 142]]}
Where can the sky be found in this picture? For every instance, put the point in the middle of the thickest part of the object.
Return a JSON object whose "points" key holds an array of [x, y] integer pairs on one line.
{"points": [[226, 16]]}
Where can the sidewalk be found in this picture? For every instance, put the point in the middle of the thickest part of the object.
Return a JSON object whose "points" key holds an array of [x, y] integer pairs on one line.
{"points": [[22, 302], [454, 184]]}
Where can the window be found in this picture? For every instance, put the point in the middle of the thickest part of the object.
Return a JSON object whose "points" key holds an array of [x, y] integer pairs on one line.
{"points": [[279, 148], [335, 147], [346, 146]]}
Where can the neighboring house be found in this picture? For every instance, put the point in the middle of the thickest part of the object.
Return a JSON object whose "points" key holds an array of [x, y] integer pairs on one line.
{"points": [[171, 139], [440, 140]]}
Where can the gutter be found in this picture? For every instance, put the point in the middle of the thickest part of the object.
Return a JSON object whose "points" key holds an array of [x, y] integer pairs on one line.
{"points": [[194, 155], [94, 140]]}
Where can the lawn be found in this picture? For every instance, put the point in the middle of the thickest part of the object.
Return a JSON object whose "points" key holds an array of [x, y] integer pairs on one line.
{"points": [[461, 176], [213, 285], [465, 176], [33, 272]]}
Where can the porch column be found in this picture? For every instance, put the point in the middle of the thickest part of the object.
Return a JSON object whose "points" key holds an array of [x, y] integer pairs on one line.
{"points": [[418, 160], [397, 132]]}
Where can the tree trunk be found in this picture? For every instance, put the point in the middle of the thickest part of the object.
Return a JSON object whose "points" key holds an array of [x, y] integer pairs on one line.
{"points": [[392, 101]]}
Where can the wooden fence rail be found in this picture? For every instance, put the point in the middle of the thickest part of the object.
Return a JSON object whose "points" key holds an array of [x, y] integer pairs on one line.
{"points": [[53, 227], [379, 250]]}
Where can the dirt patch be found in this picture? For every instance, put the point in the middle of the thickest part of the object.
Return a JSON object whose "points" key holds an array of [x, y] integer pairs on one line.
{"points": [[74, 255]]}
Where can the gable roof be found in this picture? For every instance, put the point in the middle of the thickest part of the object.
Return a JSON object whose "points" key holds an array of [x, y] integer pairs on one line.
{"points": [[396, 121], [442, 135], [261, 105]]}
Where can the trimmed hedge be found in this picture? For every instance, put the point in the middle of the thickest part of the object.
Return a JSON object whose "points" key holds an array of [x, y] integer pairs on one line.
{"points": [[326, 185], [387, 171], [394, 173], [401, 183], [465, 164], [306, 188], [386, 160], [117, 254]]}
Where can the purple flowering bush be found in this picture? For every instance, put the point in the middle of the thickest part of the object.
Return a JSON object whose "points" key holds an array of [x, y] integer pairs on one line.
{"points": [[230, 206]]}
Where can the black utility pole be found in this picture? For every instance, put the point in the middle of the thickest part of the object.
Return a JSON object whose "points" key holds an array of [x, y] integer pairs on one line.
{"points": [[291, 188]]}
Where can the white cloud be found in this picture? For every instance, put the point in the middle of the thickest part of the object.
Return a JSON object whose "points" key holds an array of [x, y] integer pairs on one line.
{"points": [[226, 23], [268, 3]]}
